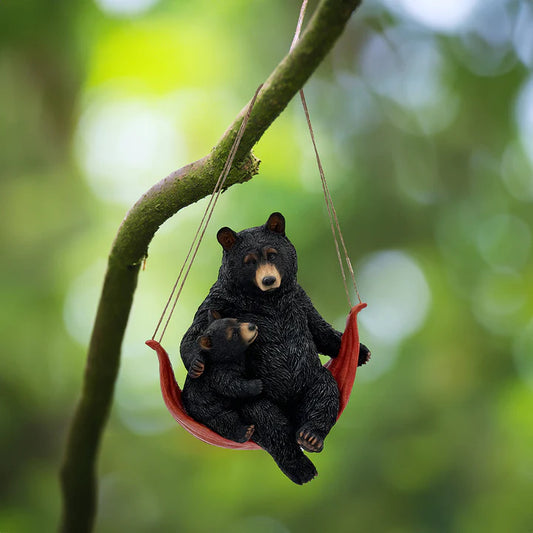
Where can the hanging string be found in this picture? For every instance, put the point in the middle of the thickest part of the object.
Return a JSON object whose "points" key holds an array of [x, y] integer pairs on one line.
{"points": [[334, 222], [299, 25], [200, 232], [332, 213]]}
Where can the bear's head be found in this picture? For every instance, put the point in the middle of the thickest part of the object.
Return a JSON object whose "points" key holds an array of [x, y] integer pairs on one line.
{"points": [[258, 260], [225, 339]]}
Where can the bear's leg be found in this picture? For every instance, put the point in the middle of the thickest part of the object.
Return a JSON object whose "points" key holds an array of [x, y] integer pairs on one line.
{"points": [[229, 425], [317, 412], [275, 434]]}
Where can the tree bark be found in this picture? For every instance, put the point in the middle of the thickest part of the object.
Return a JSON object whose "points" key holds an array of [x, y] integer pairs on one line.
{"points": [[178, 190]]}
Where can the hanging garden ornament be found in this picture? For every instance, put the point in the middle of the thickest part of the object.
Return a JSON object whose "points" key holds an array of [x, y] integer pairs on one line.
{"points": [[295, 400]]}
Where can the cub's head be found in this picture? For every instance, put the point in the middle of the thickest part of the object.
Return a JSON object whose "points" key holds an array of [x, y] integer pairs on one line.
{"points": [[226, 338], [258, 260]]}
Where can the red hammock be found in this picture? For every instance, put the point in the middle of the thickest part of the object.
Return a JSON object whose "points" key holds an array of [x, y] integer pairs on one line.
{"points": [[343, 368]]}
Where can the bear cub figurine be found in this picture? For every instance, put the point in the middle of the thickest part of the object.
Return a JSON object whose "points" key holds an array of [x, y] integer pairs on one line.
{"points": [[212, 395]]}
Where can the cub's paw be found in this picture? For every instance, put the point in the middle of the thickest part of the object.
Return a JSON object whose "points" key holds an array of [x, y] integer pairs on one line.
{"points": [[197, 368], [248, 431], [309, 440], [255, 387], [364, 355]]}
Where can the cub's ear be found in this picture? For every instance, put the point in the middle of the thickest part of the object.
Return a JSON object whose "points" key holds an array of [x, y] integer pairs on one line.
{"points": [[212, 316], [205, 342], [276, 223], [227, 238]]}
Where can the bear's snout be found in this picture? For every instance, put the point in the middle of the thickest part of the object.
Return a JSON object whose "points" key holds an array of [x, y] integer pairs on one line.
{"points": [[267, 277], [268, 281]]}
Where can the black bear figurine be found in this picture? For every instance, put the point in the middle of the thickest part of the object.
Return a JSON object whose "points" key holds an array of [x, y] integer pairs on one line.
{"points": [[214, 397], [257, 283]]}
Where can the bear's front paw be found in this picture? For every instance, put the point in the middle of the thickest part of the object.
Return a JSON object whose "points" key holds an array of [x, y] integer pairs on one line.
{"points": [[364, 355], [255, 387], [197, 367]]}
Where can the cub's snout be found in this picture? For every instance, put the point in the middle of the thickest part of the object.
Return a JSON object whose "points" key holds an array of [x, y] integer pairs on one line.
{"points": [[249, 332]]}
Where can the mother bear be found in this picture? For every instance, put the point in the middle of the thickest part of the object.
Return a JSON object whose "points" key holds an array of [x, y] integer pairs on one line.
{"points": [[257, 283]]}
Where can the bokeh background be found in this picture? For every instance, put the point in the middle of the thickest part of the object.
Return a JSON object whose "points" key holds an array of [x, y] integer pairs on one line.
{"points": [[424, 119]]}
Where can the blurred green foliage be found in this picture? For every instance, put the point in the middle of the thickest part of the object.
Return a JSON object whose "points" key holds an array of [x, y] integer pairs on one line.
{"points": [[425, 124]]}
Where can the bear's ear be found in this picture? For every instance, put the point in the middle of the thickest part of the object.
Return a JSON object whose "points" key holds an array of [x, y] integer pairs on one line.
{"points": [[212, 316], [205, 342], [276, 223], [227, 238]]}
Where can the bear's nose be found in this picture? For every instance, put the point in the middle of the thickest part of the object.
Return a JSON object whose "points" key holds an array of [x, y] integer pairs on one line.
{"points": [[252, 327], [268, 281]]}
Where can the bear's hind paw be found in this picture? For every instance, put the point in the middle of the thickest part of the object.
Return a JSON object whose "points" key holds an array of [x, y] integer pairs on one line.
{"points": [[299, 471], [248, 431], [309, 441]]}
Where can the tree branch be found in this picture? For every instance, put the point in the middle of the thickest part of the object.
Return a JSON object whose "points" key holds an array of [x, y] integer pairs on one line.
{"points": [[181, 188]]}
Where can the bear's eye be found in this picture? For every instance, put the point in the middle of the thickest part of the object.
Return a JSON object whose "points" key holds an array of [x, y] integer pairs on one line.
{"points": [[236, 334], [250, 259], [271, 254]]}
